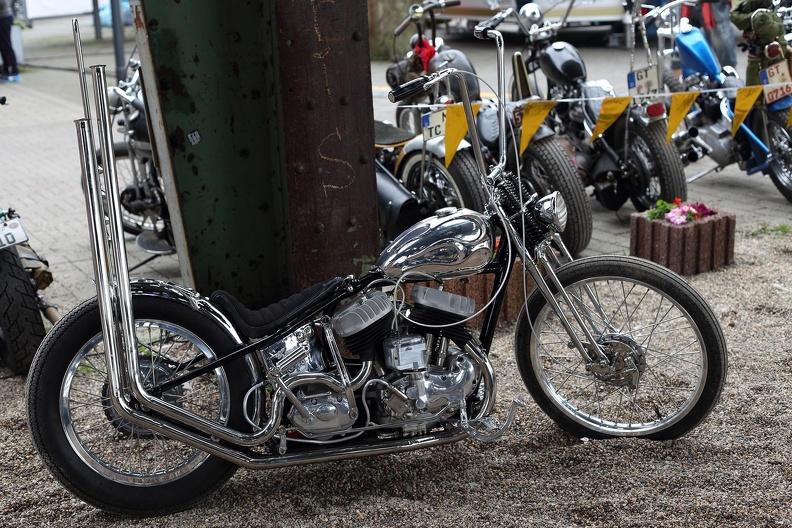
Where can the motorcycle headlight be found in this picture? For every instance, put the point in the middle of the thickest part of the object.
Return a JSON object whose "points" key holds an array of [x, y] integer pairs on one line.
{"points": [[552, 211]]}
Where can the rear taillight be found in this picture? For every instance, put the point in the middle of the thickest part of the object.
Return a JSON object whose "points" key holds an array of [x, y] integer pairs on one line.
{"points": [[655, 110], [772, 50]]}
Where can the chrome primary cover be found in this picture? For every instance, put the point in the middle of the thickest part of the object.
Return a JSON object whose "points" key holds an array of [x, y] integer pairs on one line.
{"points": [[452, 243]]}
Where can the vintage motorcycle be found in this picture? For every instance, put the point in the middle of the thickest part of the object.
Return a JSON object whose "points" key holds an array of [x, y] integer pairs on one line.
{"points": [[145, 400], [544, 164], [630, 160], [23, 276], [762, 143]]}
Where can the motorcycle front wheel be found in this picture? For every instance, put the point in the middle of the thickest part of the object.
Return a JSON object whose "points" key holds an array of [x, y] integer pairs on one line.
{"points": [[547, 166], [459, 185], [106, 460], [656, 168], [780, 143], [666, 352], [21, 326]]}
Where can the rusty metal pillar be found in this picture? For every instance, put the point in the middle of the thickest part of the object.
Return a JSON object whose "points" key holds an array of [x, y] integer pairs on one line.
{"points": [[262, 118], [325, 80]]}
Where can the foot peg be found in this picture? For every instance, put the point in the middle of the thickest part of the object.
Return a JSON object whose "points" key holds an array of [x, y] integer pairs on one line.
{"points": [[487, 429]]}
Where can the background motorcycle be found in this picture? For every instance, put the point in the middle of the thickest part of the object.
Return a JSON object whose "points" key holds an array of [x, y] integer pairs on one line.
{"points": [[23, 276], [630, 160], [147, 412], [708, 126], [544, 164]]}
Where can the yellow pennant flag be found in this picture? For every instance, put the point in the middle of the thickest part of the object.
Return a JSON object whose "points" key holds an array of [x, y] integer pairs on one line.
{"points": [[680, 105], [456, 128], [612, 108], [789, 119], [746, 97], [533, 116]]}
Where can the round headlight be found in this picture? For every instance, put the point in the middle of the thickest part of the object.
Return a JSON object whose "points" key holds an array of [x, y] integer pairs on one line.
{"points": [[552, 211], [531, 14]]}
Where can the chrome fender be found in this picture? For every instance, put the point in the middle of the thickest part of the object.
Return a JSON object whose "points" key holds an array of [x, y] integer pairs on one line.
{"points": [[187, 297], [435, 147]]}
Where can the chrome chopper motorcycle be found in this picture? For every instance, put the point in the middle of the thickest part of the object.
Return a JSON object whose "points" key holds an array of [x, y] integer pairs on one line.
{"points": [[544, 164], [761, 145], [147, 413], [23, 276], [630, 160]]}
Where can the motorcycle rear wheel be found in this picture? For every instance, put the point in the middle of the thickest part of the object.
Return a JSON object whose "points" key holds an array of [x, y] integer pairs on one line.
{"points": [[666, 350], [780, 143], [547, 166], [131, 190], [657, 168], [459, 185], [99, 456], [21, 326]]}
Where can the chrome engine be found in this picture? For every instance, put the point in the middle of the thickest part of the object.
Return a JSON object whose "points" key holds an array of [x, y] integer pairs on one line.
{"points": [[420, 374]]}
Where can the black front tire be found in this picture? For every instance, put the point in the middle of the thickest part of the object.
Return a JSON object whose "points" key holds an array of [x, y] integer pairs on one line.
{"points": [[665, 349], [21, 326], [780, 170], [110, 462]]}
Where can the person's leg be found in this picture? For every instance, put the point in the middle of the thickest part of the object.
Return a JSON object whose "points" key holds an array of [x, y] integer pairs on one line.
{"points": [[6, 49], [721, 37]]}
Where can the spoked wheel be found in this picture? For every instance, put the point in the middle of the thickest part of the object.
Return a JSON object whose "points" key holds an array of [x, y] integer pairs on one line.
{"points": [[656, 168], [546, 165], [142, 203], [781, 147], [105, 459], [459, 185], [666, 353]]}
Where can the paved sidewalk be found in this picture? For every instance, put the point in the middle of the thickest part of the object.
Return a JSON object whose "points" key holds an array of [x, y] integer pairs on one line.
{"points": [[40, 172]]}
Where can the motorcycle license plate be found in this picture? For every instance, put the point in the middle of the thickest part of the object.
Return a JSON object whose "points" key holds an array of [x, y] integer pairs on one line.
{"points": [[11, 233], [776, 80], [644, 81], [433, 124]]}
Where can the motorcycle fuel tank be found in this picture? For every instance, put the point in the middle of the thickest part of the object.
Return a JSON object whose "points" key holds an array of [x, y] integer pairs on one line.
{"points": [[696, 54], [562, 64], [452, 243]]}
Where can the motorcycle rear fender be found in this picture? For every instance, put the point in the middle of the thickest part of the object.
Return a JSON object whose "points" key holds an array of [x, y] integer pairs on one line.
{"points": [[398, 208], [435, 147], [191, 298]]}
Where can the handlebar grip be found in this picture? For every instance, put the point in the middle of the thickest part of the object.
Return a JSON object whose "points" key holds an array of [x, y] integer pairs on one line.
{"points": [[2, 100], [451, 3], [408, 89], [482, 30]]}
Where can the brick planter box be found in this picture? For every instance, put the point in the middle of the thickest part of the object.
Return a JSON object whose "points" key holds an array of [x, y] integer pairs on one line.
{"points": [[686, 249]]}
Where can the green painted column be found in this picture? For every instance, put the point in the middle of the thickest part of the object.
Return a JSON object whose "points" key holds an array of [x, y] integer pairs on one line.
{"points": [[244, 174]]}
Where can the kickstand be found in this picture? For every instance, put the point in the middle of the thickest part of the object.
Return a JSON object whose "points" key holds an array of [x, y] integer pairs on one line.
{"points": [[142, 262]]}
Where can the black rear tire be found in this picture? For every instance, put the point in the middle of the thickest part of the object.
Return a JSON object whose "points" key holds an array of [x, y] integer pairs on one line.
{"points": [[459, 185], [21, 326], [656, 166], [547, 166], [108, 461]]}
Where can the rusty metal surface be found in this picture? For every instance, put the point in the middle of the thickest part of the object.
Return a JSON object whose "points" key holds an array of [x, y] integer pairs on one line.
{"points": [[329, 136], [265, 138]]}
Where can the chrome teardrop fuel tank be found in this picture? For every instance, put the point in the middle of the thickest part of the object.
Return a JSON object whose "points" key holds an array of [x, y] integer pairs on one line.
{"points": [[452, 243]]}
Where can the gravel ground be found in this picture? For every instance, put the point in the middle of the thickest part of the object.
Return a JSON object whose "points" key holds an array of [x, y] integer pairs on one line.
{"points": [[733, 470]]}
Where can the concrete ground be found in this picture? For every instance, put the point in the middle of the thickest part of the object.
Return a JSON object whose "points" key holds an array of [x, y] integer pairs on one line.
{"points": [[40, 172]]}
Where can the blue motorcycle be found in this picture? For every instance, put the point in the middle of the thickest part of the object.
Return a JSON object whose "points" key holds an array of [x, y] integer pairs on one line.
{"points": [[762, 143]]}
